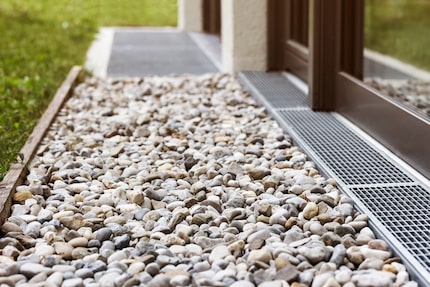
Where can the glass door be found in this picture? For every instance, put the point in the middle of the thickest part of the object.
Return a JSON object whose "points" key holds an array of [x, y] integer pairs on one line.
{"points": [[381, 99], [397, 58], [296, 52]]}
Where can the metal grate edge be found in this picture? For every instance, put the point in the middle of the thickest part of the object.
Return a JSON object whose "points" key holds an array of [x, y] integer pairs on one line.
{"points": [[290, 118]]}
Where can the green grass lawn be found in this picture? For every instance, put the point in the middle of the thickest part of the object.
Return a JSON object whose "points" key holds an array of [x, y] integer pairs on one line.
{"points": [[40, 40], [401, 29]]}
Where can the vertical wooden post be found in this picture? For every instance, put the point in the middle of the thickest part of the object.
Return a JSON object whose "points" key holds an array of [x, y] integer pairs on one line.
{"points": [[334, 24], [300, 19], [296, 53], [212, 16], [323, 53], [352, 37], [276, 32]]}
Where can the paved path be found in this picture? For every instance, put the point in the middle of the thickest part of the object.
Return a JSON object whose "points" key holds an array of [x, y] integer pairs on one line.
{"points": [[137, 52]]}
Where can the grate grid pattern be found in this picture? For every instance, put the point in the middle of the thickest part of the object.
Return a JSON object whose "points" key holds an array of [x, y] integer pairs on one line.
{"points": [[351, 158], [408, 220], [277, 89], [143, 53], [382, 188]]}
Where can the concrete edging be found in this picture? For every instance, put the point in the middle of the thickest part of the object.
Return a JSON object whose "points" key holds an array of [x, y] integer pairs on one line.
{"points": [[18, 171], [396, 64], [97, 58]]}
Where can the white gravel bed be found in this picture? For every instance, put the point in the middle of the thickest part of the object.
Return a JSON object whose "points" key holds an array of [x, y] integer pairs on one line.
{"points": [[412, 93], [182, 182]]}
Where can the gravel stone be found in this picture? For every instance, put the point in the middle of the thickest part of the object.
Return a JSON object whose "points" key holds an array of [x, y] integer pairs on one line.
{"points": [[182, 181], [73, 282]]}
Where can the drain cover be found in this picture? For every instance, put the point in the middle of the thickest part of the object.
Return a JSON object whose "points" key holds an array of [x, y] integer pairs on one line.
{"points": [[397, 204], [274, 88], [138, 53], [405, 213], [350, 157]]}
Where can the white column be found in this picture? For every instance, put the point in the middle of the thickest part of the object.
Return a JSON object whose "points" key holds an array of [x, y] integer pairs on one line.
{"points": [[190, 15], [244, 35]]}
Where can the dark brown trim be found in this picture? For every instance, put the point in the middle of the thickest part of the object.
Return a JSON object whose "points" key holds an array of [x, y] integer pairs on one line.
{"points": [[276, 34], [300, 21], [17, 172], [212, 16], [398, 128], [296, 54], [323, 52], [298, 49], [351, 28], [394, 126]]}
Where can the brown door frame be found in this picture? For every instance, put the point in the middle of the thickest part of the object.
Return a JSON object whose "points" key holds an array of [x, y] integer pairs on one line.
{"points": [[397, 127], [212, 16], [322, 54], [296, 52], [276, 25], [333, 68]]}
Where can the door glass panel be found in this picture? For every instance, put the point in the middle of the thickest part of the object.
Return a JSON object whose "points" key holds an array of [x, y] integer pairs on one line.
{"points": [[300, 21], [397, 55], [296, 53]]}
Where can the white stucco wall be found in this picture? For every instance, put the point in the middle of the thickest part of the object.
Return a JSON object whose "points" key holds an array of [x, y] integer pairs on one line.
{"points": [[190, 16], [244, 35]]}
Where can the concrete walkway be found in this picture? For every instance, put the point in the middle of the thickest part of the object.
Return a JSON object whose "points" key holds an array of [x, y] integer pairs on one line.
{"points": [[138, 52], [143, 51]]}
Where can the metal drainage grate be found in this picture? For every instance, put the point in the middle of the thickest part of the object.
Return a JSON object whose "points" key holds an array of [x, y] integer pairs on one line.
{"points": [[408, 219], [348, 156], [277, 89], [396, 204], [138, 53]]}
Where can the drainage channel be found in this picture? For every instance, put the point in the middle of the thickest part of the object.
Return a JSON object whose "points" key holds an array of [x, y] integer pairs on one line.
{"points": [[391, 193]]}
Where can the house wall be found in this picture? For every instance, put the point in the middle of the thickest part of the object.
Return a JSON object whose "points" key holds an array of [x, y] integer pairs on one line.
{"points": [[244, 35], [190, 15], [244, 26]]}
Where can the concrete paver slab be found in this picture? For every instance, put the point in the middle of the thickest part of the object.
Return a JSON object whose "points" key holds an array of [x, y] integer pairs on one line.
{"points": [[140, 52]]}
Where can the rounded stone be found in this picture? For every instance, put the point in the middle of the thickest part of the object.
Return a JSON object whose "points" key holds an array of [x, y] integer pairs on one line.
{"points": [[152, 269], [368, 263], [117, 256], [314, 254], [80, 252], [108, 279], [136, 267], [159, 280], [263, 255], [22, 196], [10, 227], [10, 251], [84, 273], [375, 279], [310, 211], [63, 249], [242, 283], [78, 242], [219, 252], [73, 282], [378, 244], [103, 234], [121, 241], [44, 250], [31, 269]]}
